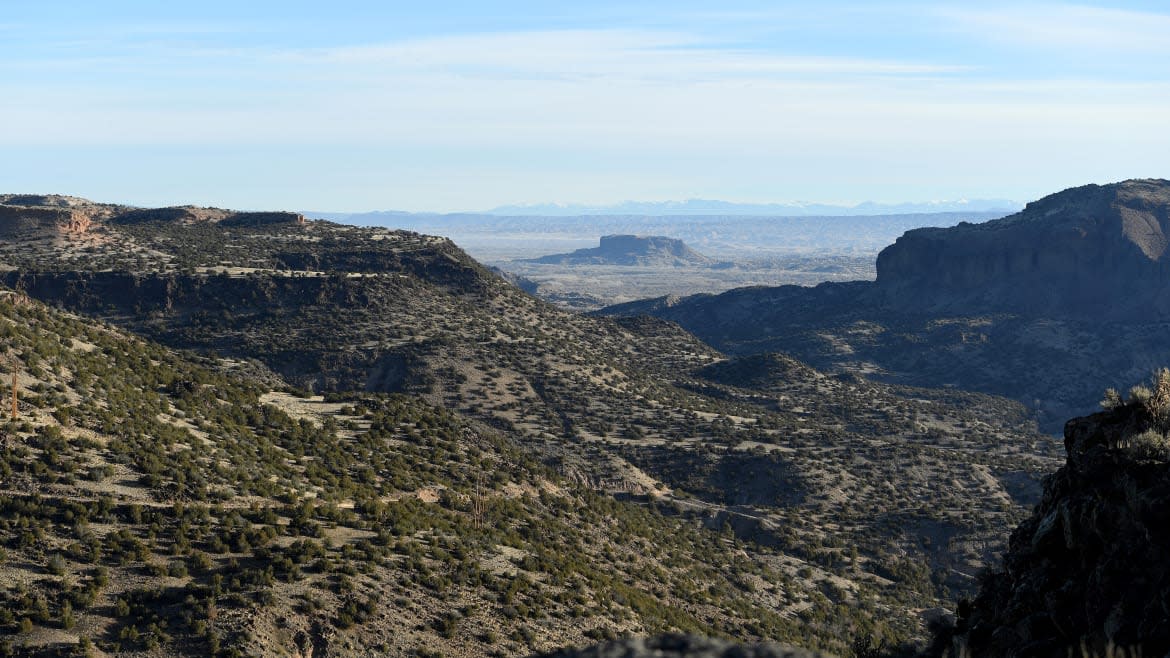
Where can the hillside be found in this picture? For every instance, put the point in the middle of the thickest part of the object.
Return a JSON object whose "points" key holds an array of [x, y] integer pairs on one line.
{"points": [[1048, 306], [829, 484], [151, 503]]}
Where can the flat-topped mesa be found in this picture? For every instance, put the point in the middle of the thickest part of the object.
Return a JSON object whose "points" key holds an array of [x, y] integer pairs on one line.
{"points": [[1096, 247], [647, 250], [44, 200], [194, 214]]}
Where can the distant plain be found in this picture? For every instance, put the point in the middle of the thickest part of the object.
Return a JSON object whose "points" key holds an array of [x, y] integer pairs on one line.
{"points": [[750, 250]]}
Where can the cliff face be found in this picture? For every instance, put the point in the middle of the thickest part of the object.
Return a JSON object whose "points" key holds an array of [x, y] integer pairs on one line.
{"points": [[1089, 567], [32, 216], [16, 221], [1071, 251]]}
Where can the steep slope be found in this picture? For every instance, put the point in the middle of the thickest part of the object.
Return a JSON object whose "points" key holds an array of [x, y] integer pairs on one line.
{"points": [[1047, 306], [150, 505], [1087, 571], [835, 477]]}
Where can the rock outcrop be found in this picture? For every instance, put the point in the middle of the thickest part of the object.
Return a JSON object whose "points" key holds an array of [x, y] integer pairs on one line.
{"points": [[41, 216], [178, 214], [194, 214], [16, 221], [653, 250], [1089, 570], [1072, 252]]}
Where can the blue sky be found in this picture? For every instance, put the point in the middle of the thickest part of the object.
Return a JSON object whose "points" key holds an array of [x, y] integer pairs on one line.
{"points": [[461, 106]]}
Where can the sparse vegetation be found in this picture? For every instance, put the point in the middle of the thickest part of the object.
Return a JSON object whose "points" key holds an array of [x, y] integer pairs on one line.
{"points": [[470, 459]]}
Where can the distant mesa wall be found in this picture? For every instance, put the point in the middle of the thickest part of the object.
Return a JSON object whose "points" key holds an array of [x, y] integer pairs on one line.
{"points": [[193, 214], [31, 215], [24, 221], [1091, 246], [46, 200], [644, 244], [187, 214], [631, 250]]}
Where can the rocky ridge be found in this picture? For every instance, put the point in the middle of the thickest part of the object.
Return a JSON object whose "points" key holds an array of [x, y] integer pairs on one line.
{"points": [[1087, 571], [33, 216]]}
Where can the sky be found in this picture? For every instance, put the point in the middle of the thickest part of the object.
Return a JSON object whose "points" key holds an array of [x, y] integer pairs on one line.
{"points": [[457, 106]]}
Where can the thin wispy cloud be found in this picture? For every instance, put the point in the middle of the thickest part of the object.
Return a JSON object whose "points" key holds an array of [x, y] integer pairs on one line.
{"points": [[872, 97], [1068, 27], [600, 52]]}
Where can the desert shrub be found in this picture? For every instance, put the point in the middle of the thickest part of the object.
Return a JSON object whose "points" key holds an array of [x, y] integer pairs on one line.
{"points": [[1150, 444], [1111, 399], [1158, 402]]}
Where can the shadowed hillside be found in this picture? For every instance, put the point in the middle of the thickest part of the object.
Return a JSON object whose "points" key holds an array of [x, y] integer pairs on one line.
{"points": [[1047, 306]]}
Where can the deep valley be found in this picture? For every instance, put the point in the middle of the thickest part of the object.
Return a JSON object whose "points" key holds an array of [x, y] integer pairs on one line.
{"points": [[358, 439]]}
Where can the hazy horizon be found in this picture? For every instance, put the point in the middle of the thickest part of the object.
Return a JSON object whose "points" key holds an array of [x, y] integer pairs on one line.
{"points": [[454, 107]]}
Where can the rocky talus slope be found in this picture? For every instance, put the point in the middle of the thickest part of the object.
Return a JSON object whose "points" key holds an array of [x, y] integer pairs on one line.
{"points": [[1088, 572]]}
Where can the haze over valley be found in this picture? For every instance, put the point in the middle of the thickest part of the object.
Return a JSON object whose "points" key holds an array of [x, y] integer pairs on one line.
{"points": [[743, 249], [633, 329]]}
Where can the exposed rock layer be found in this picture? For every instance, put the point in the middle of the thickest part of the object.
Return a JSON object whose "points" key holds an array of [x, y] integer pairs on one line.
{"points": [[33, 216], [1071, 252], [18, 221]]}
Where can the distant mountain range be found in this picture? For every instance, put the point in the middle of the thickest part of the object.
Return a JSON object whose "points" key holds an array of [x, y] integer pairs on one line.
{"points": [[699, 208], [790, 209], [720, 236]]}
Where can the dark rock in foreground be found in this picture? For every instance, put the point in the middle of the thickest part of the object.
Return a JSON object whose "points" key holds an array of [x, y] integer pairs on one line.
{"points": [[1090, 569], [683, 646]]}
